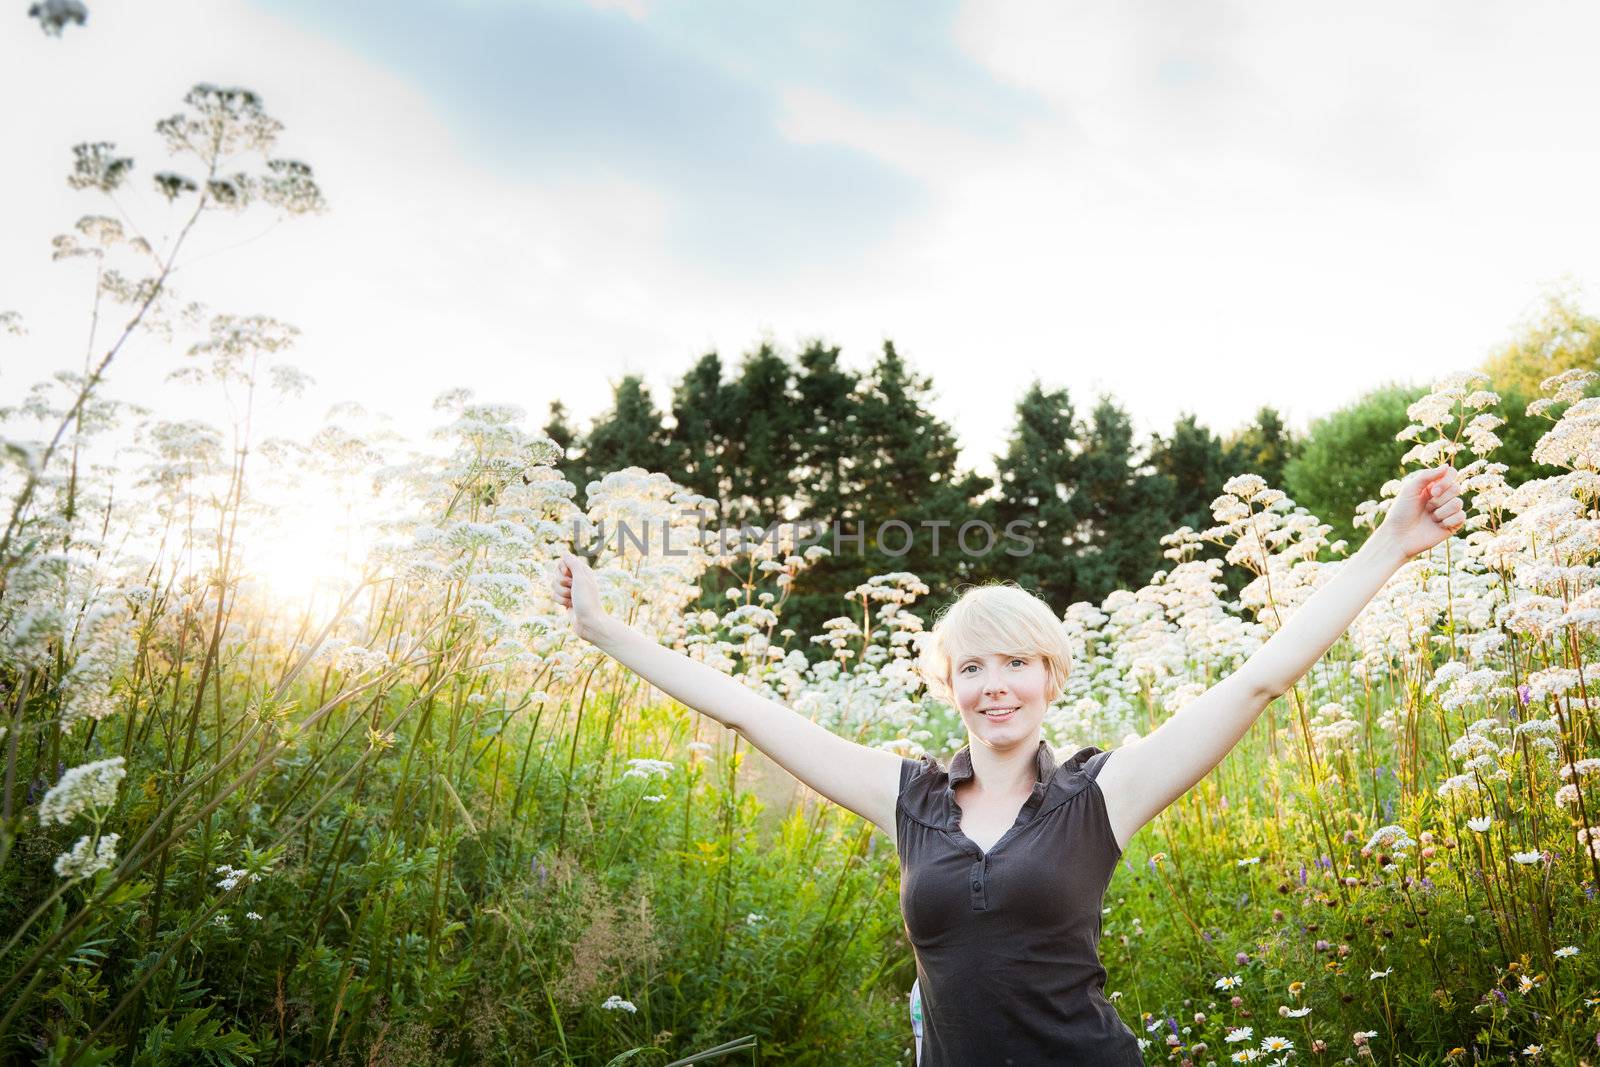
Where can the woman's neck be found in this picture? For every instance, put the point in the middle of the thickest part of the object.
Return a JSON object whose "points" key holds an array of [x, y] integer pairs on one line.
{"points": [[1008, 771]]}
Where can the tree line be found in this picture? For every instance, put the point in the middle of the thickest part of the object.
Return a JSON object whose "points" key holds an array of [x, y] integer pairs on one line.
{"points": [[779, 438]]}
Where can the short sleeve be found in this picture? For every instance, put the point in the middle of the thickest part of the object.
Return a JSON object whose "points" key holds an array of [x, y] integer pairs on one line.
{"points": [[922, 797], [909, 770]]}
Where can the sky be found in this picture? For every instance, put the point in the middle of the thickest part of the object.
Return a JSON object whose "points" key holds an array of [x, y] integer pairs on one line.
{"points": [[1197, 207]]}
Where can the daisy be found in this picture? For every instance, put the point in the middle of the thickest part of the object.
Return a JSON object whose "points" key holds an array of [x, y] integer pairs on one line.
{"points": [[1567, 950], [1239, 1033], [1375, 975], [1479, 824], [1526, 857], [1245, 1055], [1229, 982], [1276, 1044]]}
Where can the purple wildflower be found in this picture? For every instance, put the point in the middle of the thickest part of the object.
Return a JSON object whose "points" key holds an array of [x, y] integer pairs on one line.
{"points": [[1523, 693], [1302, 874]]}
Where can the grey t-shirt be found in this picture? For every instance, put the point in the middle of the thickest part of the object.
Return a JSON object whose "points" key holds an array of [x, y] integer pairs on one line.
{"points": [[1005, 941]]}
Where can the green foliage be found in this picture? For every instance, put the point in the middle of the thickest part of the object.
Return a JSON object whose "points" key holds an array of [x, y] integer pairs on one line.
{"points": [[1559, 336], [1348, 456]]}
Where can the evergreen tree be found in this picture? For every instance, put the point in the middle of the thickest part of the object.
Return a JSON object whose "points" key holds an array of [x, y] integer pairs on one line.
{"points": [[763, 440], [1194, 466], [699, 442], [1036, 479], [1264, 447], [629, 435], [1118, 503], [827, 437], [567, 439], [903, 471]]}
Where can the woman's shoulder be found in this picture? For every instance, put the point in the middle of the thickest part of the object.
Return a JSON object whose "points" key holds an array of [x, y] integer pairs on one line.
{"points": [[924, 781], [1085, 760], [1073, 775]]}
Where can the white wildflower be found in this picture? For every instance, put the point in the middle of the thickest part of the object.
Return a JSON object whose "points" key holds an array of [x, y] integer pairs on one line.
{"points": [[645, 768], [87, 787], [88, 856]]}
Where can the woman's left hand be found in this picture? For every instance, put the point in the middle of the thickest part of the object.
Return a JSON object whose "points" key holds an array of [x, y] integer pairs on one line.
{"points": [[1425, 511]]}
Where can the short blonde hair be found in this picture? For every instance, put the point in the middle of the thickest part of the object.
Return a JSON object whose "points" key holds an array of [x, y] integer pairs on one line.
{"points": [[998, 617]]}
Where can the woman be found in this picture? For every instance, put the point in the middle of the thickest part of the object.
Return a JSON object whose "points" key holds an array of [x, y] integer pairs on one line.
{"points": [[1005, 856]]}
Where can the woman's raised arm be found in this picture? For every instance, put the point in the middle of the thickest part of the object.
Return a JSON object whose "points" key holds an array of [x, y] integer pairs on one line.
{"points": [[1141, 778], [864, 780]]}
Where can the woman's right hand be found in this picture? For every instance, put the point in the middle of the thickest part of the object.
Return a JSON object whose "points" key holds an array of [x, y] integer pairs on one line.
{"points": [[575, 589]]}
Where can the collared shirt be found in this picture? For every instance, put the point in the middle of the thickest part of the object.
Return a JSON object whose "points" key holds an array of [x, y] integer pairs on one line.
{"points": [[1005, 940]]}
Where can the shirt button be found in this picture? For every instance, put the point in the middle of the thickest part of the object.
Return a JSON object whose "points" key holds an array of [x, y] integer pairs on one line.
{"points": [[976, 886]]}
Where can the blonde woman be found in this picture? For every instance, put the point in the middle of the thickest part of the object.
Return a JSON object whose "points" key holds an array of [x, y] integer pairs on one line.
{"points": [[1005, 854]]}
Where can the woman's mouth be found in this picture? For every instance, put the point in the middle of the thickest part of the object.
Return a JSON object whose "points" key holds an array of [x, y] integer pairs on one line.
{"points": [[998, 714]]}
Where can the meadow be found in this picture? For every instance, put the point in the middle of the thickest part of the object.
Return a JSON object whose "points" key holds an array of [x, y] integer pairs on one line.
{"points": [[361, 797]]}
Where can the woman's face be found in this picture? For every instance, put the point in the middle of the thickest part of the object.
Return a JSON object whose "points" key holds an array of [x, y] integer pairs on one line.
{"points": [[1001, 697]]}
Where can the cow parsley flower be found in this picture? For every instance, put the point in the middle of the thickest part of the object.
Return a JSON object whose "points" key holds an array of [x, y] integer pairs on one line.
{"points": [[645, 768], [233, 877], [616, 1003], [1390, 837], [88, 787], [88, 856]]}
